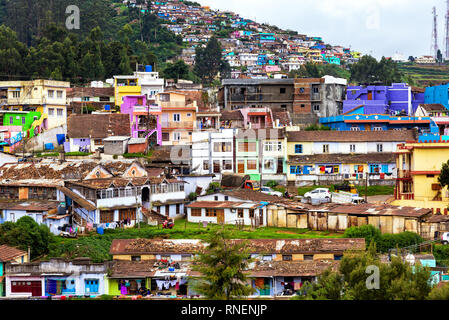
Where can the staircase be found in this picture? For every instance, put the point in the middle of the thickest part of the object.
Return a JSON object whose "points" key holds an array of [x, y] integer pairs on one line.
{"points": [[152, 215]]}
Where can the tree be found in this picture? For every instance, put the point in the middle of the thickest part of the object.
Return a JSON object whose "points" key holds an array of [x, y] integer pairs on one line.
{"points": [[223, 268], [177, 70], [209, 61], [443, 179], [368, 70], [439, 56], [27, 233], [397, 280]]}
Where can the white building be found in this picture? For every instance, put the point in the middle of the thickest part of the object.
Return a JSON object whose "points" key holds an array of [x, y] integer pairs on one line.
{"points": [[212, 152]]}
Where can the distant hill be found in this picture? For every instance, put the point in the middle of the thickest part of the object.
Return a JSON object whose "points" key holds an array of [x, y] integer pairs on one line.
{"points": [[426, 75]]}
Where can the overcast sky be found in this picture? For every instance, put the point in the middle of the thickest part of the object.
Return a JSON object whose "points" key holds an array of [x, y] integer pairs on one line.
{"points": [[376, 27]]}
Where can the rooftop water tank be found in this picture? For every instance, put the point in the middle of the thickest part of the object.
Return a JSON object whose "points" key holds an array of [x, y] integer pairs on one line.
{"points": [[148, 68]]}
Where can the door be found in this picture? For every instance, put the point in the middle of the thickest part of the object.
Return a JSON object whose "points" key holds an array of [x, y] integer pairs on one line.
{"points": [[220, 217], [260, 218], [241, 167], [91, 285], [370, 95], [266, 287], [167, 211]]}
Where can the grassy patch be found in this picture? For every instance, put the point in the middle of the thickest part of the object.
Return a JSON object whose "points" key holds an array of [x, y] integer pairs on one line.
{"points": [[77, 154], [138, 155], [48, 154], [97, 246], [372, 190]]}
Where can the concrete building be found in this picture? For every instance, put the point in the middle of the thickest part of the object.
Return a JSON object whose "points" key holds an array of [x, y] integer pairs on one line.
{"points": [[116, 145]]}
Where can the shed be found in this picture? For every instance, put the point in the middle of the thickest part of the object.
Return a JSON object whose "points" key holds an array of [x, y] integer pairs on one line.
{"points": [[116, 145], [137, 145]]}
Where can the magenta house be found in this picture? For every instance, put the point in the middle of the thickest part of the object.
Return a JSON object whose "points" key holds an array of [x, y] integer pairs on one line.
{"points": [[144, 118]]}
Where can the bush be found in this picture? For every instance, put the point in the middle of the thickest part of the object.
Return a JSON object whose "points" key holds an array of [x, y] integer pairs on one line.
{"points": [[213, 187], [78, 154], [193, 196], [115, 157], [272, 184], [383, 242]]}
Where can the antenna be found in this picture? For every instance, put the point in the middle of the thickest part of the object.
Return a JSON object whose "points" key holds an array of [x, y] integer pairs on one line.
{"points": [[434, 46], [447, 30]]}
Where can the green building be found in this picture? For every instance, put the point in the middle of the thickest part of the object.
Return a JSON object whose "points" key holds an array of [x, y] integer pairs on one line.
{"points": [[32, 122]]}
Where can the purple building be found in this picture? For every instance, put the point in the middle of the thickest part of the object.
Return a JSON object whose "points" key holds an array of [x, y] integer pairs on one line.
{"points": [[145, 118], [399, 98]]}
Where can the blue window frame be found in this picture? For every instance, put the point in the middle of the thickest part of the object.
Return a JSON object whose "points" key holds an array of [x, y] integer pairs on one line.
{"points": [[298, 148], [292, 169], [91, 285]]}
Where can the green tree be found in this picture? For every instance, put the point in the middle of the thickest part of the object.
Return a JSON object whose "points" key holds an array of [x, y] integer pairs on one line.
{"points": [[177, 70], [209, 61], [27, 233], [223, 266], [369, 70], [443, 179], [397, 280]]}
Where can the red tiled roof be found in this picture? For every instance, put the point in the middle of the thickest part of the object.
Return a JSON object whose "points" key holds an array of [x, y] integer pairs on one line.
{"points": [[8, 253]]}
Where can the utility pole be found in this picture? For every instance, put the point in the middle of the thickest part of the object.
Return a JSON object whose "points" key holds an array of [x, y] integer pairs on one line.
{"points": [[366, 187]]}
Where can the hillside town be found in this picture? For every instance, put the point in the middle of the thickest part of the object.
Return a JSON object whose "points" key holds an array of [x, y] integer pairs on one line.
{"points": [[147, 168]]}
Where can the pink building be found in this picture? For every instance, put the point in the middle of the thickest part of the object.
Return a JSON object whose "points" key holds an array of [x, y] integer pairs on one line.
{"points": [[144, 117]]}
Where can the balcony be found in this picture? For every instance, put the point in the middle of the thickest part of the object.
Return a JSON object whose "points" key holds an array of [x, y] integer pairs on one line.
{"points": [[405, 174], [316, 96], [178, 125]]}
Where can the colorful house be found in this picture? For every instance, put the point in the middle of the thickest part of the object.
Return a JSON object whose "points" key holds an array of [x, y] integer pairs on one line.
{"points": [[419, 166], [178, 118], [397, 99], [145, 119], [31, 122], [47, 97], [438, 95], [9, 255]]}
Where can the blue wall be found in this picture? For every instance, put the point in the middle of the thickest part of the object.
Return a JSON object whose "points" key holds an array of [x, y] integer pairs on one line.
{"points": [[438, 94]]}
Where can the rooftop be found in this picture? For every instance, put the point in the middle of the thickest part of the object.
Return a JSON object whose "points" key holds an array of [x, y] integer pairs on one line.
{"points": [[8, 253]]}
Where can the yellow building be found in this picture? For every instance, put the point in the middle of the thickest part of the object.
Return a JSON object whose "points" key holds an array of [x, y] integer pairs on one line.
{"points": [[126, 86], [419, 166], [45, 96], [178, 118]]}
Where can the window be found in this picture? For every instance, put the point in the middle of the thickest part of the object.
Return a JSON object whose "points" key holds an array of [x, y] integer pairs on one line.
{"points": [[247, 147], [303, 106], [206, 165], [283, 106], [338, 257], [282, 90], [217, 168], [355, 128], [301, 90], [165, 136], [51, 111], [16, 94], [251, 213], [23, 120], [11, 120], [316, 107], [211, 213], [51, 93], [308, 257], [273, 146], [286, 257], [352, 148], [325, 148], [135, 258], [298, 148], [176, 136], [189, 115], [268, 164], [59, 94], [85, 99], [251, 165], [227, 164], [216, 198], [222, 147], [380, 148], [60, 112], [267, 257], [240, 213], [176, 117], [377, 129]]}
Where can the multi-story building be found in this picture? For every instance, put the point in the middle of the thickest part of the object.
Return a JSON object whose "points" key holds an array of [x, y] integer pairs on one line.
{"points": [[145, 118], [47, 97], [178, 118], [213, 152], [317, 97], [419, 166], [335, 156], [397, 99], [142, 82], [98, 98]]}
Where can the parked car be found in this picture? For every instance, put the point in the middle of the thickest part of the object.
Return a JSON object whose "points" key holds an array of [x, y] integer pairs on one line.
{"points": [[318, 194], [271, 192]]}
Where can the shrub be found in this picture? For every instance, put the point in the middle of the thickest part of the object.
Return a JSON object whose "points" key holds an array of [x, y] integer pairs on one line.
{"points": [[272, 184], [192, 196]]}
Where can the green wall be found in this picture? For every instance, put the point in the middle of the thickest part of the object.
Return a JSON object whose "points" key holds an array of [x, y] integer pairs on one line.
{"points": [[29, 119]]}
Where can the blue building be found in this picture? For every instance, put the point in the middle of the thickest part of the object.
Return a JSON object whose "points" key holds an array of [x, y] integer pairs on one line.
{"points": [[438, 94]]}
